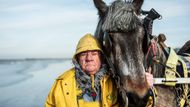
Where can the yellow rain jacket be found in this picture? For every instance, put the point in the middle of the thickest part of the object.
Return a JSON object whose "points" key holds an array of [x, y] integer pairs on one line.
{"points": [[64, 93], [65, 90]]}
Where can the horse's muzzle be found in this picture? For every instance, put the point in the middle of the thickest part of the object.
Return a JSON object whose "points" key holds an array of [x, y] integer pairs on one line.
{"points": [[137, 86]]}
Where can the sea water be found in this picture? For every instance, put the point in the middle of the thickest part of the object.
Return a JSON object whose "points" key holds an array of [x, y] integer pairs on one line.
{"points": [[26, 83]]}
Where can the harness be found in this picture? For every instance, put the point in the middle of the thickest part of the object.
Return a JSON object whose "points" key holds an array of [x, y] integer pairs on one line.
{"points": [[148, 61], [174, 62], [171, 73]]}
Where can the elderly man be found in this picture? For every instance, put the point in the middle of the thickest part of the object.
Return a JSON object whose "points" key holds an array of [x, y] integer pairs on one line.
{"points": [[88, 84]]}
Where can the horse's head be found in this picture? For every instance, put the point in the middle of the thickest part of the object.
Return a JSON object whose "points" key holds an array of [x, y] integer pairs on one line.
{"points": [[123, 34]]}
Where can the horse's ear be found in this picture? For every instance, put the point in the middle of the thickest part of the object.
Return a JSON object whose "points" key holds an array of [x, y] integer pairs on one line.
{"points": [[101, 6], [137, 4]]}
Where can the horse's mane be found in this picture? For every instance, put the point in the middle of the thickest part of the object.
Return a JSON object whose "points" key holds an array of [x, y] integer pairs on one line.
{"points": [[119, 18]]}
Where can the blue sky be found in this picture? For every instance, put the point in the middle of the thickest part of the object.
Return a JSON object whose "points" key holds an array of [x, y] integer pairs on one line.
{"points": [[52, 28]]}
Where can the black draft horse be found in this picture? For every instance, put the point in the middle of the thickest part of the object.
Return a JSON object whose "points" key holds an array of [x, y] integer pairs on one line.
{"points": [[123, 37]]}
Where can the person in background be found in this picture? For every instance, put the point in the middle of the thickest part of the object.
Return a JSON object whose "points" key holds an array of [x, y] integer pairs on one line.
{"points": [[88, 83]]}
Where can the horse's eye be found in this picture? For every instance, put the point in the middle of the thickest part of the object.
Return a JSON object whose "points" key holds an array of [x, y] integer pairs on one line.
{"points": [[110, 34]]}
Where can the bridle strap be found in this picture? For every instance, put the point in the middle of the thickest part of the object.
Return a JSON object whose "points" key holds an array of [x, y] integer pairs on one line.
{"points": [[153, 46]]}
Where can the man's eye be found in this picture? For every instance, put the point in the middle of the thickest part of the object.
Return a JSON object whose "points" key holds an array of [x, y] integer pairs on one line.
{"points": [[83, 54], [94, 53]]}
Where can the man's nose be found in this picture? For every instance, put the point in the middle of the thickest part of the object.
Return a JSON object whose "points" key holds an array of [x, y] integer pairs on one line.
{"points": [[89, 56]]}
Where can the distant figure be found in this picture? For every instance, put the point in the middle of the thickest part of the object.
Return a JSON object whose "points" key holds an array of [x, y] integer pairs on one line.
{"points": [[161, 40]]}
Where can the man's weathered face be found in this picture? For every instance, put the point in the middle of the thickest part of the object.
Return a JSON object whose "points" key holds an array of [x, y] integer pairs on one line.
{"points": [[90, 61]]}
